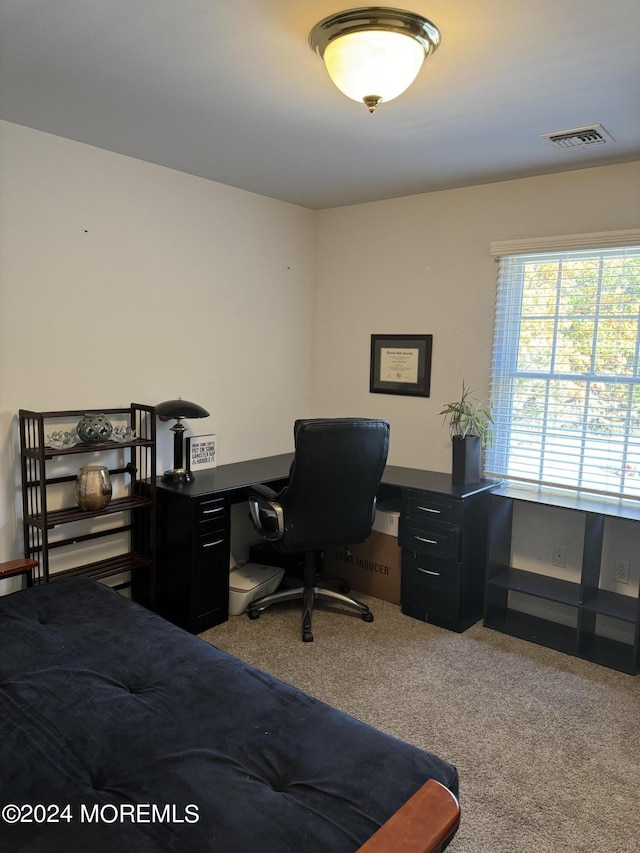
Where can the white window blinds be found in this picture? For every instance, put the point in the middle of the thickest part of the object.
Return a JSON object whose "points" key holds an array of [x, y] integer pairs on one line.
{"points": [[565, 384]]}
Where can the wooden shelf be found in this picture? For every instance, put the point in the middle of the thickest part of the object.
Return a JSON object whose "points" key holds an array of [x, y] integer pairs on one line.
{"points": [[52, 452], [43, 474], [543, 632], [590, 637], [105, 568], [541, 586], [578, 501], [611, 653], [71, 514], [612, 604]]}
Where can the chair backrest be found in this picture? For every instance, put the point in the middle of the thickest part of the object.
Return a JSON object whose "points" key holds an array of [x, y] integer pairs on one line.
{"points": [[337, 467]]}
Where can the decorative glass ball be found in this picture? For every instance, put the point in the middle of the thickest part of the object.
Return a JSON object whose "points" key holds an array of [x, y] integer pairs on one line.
{"points": [[94, 429]]}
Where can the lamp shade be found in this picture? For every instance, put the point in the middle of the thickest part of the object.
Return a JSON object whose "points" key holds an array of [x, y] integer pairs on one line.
{"points": [[373, 64], [373, 54], [180, 409]]}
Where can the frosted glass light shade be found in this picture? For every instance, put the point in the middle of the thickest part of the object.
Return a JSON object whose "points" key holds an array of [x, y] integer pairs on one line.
{"points": [[374, 53], [373, 64]]}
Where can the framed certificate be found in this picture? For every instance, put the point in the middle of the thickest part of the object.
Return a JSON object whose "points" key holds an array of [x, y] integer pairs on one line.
{"points": [[401, 364], [201, 452]]}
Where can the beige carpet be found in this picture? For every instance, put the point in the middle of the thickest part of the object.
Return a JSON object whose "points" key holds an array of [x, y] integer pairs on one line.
{"points": [[547, 746]]}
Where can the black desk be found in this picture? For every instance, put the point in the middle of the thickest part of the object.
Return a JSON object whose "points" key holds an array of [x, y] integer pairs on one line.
{"points": [[442, 533]]}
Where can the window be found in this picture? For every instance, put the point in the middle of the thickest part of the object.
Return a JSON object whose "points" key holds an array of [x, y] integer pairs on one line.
{"points": [[565, 383]]}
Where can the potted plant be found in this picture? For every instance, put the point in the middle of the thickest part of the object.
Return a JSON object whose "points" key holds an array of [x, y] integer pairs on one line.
{"points": [[470, 429]]}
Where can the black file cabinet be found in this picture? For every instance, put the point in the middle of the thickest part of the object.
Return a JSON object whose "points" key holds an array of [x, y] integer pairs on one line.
{"points": [[192, 579], [443, 534]]}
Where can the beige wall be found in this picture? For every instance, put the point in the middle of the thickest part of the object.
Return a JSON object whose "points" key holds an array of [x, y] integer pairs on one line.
{"points": [[122, 281], [421, 264]]}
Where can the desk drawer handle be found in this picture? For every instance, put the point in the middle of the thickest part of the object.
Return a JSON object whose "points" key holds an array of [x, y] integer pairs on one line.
{"points": [[211, 511], [211, 544], [429, 509], [427, 572], [428, 541]]}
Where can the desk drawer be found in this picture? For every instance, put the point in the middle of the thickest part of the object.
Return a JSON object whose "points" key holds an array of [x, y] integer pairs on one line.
{"points": [[210, 588], [439, 542], [429, 585], [432, 508], [210, 512]]}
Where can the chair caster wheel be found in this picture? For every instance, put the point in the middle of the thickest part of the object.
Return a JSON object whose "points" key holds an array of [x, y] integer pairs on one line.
{"points": [[253, 614], [368, 617], [307, 637]]}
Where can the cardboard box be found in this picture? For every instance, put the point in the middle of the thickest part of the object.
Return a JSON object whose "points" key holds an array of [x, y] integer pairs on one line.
{"points": [[373, 566]]}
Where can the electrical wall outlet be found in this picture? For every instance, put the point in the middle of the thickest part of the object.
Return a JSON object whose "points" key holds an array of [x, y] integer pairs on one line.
{"points": [[559, 556], [621, 571]]}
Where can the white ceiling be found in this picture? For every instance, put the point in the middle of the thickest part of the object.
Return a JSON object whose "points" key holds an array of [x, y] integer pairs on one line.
{"points": [[231, 91]]}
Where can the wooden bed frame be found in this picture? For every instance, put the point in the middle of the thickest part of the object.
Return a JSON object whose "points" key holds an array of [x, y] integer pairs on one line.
{"points": [[424, 824]]}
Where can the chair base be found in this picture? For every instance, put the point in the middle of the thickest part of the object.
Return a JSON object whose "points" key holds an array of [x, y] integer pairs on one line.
{"points": [[308, 592]]}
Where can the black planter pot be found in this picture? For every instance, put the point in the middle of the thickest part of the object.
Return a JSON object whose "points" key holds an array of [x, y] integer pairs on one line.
{"points": [[467, 459]]}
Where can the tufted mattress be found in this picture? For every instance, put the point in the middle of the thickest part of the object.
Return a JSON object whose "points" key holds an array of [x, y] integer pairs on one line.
{"points": [[121, 732]]}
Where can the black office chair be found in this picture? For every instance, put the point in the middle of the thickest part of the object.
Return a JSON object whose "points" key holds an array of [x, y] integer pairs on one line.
{"points": [[329, 501]]}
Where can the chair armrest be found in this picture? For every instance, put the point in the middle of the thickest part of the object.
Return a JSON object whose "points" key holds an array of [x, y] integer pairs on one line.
{"points": [[424, 824], [263, 491], [265, 512]]}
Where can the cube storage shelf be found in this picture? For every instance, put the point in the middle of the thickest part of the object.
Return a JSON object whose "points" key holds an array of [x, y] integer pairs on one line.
{"points": [[39, 462], [584, 601]]}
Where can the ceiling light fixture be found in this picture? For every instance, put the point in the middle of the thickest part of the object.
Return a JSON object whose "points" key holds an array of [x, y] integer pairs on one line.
{"points": [[373, 54]]}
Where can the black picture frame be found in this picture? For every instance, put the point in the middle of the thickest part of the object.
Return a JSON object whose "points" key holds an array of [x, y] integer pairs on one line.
{"points": [[401, 364]]}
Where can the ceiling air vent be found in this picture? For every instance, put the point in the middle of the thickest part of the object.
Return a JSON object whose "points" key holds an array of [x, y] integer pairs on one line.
{"points": [[578, 137]]}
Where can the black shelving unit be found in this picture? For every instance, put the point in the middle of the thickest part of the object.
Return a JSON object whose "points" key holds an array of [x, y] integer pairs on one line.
{"points": [[583, 601], [131, 516]]}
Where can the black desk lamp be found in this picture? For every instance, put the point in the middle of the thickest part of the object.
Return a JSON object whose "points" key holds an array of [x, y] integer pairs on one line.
{"points": [[179, 409]]}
